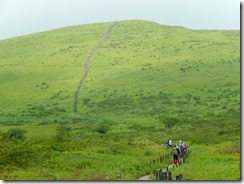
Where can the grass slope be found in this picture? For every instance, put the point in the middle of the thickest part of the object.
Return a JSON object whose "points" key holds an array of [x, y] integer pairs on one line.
{"points": [[145, 77], [144, 69]]}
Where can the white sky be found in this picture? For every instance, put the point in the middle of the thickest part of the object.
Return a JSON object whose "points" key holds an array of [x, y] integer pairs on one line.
{"points": [[19, 17]]}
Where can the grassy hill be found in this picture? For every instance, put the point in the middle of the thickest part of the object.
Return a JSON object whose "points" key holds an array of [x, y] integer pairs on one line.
{"points": [[144, 79]]}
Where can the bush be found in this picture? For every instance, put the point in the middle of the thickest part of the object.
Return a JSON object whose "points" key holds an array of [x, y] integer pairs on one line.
{"points": [[21, 154], [63, 133], [13, 134], [102, 129]]}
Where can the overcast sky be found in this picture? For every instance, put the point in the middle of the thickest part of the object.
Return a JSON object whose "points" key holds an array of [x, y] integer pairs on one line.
{"points": [[20, 17]]}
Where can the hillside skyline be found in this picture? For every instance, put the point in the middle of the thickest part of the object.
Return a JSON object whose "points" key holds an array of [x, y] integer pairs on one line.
{"points": [[57, 28], [26, 17]]}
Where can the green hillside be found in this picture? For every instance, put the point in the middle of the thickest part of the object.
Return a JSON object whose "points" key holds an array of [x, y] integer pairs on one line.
{"points": [[145, 82]]}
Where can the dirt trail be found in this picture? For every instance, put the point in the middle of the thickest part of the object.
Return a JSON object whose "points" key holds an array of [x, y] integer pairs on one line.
{"points": [[86, 65], [147, 177]]}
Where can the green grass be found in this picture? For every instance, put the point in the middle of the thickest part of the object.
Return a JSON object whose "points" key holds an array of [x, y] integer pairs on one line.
{"points": [[205, 163], [145, 64], [145, 77]]}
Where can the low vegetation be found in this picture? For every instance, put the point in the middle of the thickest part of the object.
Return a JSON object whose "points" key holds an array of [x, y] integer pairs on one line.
{"points": [[146, 83]]}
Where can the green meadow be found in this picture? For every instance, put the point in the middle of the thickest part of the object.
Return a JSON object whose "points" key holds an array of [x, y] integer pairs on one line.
{"points": [[147, 83]]}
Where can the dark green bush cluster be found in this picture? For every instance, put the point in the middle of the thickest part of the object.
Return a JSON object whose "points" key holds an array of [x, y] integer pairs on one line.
{"points": [[16, 151], [102, 129], [13, 134]]}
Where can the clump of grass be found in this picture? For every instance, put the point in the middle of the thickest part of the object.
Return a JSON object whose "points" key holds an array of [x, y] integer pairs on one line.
{"points": [[96, 176], [231, 148]]}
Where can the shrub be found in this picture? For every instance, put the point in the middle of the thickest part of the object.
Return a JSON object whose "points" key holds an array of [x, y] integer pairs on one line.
{"points": [[22, 154], [63, 133], [102, 129], [13, 134]]}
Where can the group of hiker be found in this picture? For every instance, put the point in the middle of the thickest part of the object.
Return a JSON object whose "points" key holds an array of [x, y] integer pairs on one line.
{"points": [[179, 151]]}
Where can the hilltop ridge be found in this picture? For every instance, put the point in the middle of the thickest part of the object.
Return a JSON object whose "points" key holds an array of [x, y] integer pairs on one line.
{"points": [[133, 20]]}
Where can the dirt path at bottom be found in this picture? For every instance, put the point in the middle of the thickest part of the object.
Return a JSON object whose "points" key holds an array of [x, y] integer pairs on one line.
{"points": [[147, 177]]}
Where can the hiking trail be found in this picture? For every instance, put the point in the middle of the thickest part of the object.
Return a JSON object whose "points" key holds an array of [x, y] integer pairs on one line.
{"points": [[167, 168], [147, 177], [86, 65]]}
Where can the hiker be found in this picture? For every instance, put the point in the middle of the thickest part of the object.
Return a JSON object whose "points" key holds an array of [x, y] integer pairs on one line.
{"points": [[184, 146], [178, 149], [181, 151], [170, 143], [184, 149], [175, 155]]}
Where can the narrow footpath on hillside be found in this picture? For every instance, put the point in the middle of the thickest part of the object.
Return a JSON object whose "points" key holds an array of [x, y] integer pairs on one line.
{"points": [[86, 65], [147, 177], [165, 174]]}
